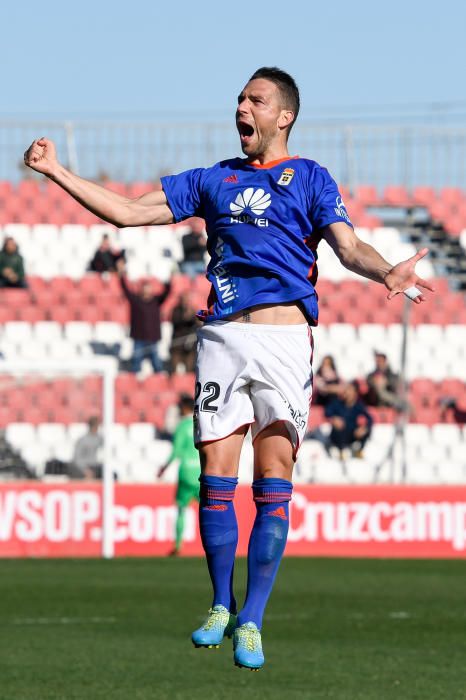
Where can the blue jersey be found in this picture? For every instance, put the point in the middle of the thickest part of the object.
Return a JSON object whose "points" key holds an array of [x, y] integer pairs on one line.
{"points": [[263, 225]]}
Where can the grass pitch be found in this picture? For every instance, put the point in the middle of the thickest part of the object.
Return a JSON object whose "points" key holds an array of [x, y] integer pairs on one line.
{"points": [[335, 629]]}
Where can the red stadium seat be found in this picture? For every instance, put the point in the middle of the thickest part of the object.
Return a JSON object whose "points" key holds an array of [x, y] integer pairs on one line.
{"points": [[118, 313], [180, 284], [183, 383], [31, 313], [29, 190], [344, 191], [91, 284], [366, 195], [7, 314], [423, 196], [427, 415], [438, 211], [91, 384], [452, 387], [453, 197], [316, 416], [15, 298], [156, 415], [368, 221], [61, 314], [126, 382], [90, 314], [6, 416], [454, 224], [396, 196], [139, 399], [157, 383], [126, 415]]}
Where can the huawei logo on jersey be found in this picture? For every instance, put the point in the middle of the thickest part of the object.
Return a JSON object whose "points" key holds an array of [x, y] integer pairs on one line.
{"points": [[255, 200]]}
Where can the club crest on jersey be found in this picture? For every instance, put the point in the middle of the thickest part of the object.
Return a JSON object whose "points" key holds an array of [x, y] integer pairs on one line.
{"points": [[256, 201], [286, 177], [340, 209]]}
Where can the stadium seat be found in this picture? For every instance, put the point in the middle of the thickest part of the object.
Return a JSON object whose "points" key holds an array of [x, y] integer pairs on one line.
{"points": [[183, 383], [396, 196], [50, 433], [366, 195], [422, 472], [141, 433], [329, 471], [447, 435], [20, 434], [452, 196], [423, 196]]}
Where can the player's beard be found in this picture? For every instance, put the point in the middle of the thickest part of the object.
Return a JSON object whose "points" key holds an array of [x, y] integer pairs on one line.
{"points": [[255, 150]]}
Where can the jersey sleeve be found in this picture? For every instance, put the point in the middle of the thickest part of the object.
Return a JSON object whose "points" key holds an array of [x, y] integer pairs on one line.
{"points": [[327, 205], [183, 193]]}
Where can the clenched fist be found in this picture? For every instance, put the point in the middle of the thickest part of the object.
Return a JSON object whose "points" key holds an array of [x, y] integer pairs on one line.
{"points": [[42, 156]]}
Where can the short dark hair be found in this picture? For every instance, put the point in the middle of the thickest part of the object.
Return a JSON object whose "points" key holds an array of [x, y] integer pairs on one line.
{"points": [[286, 85], [186, 401]]}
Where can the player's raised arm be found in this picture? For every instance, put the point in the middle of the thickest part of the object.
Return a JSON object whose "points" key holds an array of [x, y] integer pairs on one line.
{"points": [[149, 209], [363, 259]]}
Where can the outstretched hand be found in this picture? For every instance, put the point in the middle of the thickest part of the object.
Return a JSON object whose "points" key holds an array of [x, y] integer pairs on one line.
{"points": [[42, 156], [403, 275]]}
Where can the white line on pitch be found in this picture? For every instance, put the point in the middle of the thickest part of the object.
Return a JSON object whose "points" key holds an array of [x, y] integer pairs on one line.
{"points": [[62, 620]]}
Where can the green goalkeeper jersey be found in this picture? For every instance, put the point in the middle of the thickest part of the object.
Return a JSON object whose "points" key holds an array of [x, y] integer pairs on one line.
{"points": [[184, 450]]}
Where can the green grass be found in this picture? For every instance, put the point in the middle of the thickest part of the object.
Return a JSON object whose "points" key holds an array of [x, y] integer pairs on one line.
{"points": [[344, 629]]}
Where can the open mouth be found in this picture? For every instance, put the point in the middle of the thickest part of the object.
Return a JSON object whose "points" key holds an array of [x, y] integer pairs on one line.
{"points": [[245, 130]]}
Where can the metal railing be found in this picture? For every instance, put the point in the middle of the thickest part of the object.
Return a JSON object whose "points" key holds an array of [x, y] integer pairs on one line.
{"points": [[355, 154]]}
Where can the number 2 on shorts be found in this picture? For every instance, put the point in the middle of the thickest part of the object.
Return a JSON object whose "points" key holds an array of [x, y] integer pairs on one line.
{"points": [[212, 389]]}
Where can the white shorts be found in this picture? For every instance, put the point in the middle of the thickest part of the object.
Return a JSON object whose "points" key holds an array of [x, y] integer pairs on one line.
{"points": [[253, 374]]}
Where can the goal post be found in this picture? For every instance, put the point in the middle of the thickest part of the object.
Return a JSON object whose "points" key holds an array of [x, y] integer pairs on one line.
{"points": [[14, 373]]}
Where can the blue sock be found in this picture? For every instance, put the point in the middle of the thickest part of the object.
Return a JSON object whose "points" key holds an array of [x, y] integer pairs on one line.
{"points": [[219, 535], [266, 545]]}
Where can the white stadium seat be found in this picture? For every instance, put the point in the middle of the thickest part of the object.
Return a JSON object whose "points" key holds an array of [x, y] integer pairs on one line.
{"points": [[329, 471], [141, 433], [108, 332], [51, 433], [453, 472], [47, 331], [78, 332], [76, 430], [422, 473], [17, 331], [36, 455], [20, 434], [157, 452], [446, 434]]}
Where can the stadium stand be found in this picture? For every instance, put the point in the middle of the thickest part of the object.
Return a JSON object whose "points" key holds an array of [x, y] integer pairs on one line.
{"points": [[68, 313]]}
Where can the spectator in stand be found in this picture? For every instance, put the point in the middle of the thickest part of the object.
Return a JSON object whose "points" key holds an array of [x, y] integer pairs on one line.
{"points": [[106, 257], [383, 384], [350, 420], [145, 324], [194, 248], [85, 463], [184, 338], [11, 265], [327, 383], [450, 411]]}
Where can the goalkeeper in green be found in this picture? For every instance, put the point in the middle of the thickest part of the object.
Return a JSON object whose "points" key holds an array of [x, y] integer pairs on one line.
{"points": [[189, 467]]}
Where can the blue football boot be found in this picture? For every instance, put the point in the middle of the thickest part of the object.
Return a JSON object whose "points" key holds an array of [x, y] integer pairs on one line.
{"points": [[218, 624], [247, 646]]}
